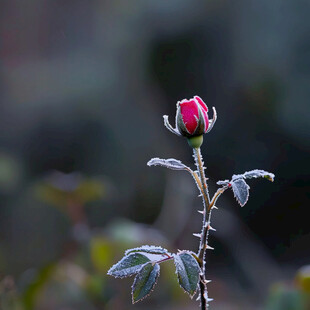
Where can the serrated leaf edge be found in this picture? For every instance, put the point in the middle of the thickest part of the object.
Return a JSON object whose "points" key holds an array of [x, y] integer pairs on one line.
{"points": [[143, 249], [190, 253], [248, 187], [152, 289], [156, 161]]}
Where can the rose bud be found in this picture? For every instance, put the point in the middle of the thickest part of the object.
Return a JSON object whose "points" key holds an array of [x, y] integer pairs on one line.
{"points": [[192, 120]]}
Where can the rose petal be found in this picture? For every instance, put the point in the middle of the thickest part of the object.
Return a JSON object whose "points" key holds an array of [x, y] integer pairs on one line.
{"points": [[204, 110], [206, 120], [190, 115], [202, 104]]}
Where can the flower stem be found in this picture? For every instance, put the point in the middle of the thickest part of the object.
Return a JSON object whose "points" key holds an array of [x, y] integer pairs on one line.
{"points": [[208, 205], [203, 187]]}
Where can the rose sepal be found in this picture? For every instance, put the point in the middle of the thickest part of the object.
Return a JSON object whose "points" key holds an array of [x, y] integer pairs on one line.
{"points": [[169, 127], [212, 121]]}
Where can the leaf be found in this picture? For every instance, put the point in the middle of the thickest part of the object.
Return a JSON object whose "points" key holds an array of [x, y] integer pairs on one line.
{"points": [[145, 281], [259, 174], [256, 173], [223, 183], [128, 265], [151, 249], [188, 272], [241, 191], [170, 163]]}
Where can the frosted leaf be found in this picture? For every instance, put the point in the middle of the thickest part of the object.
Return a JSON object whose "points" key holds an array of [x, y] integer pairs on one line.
{"points": [[241, 191], [223, 183], [170, 163], [151, 249], [145, 281], [128, 265], [237, 176], [188, 271], [256, 173], [259, 174]]}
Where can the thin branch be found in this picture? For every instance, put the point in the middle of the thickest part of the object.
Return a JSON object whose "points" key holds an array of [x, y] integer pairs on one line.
{"points": [[217, 195], [164, 259]]}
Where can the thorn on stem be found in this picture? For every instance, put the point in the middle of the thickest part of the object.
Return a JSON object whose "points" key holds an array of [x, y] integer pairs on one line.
{"points": [[197, 235], [211, 228]]}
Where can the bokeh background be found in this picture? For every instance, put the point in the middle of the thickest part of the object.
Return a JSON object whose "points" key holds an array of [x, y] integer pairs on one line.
{"points": [[83, 87]]}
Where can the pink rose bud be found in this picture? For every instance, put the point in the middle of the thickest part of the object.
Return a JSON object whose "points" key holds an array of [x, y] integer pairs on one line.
{"points": [[192, 118]]}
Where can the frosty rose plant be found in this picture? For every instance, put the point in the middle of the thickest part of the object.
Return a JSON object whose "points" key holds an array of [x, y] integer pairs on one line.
{"points": [[192, 122]]}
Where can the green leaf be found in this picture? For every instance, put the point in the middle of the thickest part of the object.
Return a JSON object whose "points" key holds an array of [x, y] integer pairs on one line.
{"points": [[188, 271], [151, 249], [145, 281], [128, 265]]}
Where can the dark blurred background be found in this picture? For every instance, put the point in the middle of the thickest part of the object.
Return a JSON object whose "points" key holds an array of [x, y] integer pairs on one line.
{"points": [[83, 87]]}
